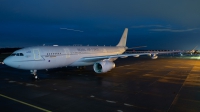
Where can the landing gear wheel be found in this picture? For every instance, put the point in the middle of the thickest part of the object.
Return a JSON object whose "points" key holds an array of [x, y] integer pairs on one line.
{"points": [[35, 77], [34, 72], [81, 67]]}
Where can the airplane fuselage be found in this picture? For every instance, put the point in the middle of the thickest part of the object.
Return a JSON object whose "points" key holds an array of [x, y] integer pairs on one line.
{"points": [[47, 57]]}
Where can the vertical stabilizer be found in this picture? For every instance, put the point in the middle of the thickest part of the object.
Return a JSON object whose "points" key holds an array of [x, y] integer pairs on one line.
{"points": [[123, 39], [195, 48]]}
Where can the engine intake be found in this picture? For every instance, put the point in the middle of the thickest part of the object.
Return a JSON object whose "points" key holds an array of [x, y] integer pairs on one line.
{"points": [[136, 56], [103, 66], [154, 56]]}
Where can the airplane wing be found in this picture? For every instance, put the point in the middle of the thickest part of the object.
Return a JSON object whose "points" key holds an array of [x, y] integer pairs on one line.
{"points": [[98, 58], [135, 47]]}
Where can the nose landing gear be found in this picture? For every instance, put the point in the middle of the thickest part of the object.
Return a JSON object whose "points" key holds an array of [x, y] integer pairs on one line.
{"points": [[34, 72]]}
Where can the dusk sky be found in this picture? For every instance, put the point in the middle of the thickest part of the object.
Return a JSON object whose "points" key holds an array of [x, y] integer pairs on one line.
{"points": [[158, 24]]}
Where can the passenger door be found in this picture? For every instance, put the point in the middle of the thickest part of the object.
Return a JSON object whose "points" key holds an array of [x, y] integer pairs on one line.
{"points": [[67, 52], [36, 53]]}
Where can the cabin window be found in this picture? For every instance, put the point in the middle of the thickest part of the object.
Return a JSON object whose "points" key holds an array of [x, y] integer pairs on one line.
{"points": [[53, 53], [21, 54]]}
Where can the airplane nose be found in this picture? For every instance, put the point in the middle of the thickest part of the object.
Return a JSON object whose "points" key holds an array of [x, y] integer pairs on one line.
{"points": [[6, 61], [9, 61]]}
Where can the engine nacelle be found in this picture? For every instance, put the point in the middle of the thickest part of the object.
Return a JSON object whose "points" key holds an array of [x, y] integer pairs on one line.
{"points": [[136, 56], [103, 66], [154, 56]]}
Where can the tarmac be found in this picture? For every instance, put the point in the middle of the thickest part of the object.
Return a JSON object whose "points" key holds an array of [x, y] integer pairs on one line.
{"points": [[134, 85]]}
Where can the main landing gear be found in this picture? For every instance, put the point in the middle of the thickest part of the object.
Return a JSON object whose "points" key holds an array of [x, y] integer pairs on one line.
{"points": [[34, 72], [81, 67]]}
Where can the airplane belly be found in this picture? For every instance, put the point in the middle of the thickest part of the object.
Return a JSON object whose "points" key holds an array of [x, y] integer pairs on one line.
{"points": [[48, 63], [26, 65], [64, 61], [17, 65]]}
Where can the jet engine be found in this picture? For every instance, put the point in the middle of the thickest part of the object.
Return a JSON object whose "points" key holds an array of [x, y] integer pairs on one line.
{"points": [[103, 66], [154, 56], [136, 56]]}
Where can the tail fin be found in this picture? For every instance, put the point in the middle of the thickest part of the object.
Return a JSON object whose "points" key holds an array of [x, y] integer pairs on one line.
{"points": [[195, 47], [193, 50], [122, 41]]}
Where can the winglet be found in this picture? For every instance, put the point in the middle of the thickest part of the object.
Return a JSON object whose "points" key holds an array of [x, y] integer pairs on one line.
{"points": [[123, 39]]}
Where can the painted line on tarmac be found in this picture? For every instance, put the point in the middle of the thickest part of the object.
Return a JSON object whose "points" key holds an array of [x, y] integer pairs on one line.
{"points": [[110, 101], [39, 108], [122, 66]]}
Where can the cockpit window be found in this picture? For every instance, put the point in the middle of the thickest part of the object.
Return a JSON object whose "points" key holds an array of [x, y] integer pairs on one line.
{"points": [[17, 54], [21, 54]]}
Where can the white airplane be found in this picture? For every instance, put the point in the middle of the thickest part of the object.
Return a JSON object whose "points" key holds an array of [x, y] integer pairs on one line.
{"points": [[48, 57], [193, 51]]}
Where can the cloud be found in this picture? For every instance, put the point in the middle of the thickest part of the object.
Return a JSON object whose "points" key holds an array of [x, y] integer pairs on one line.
{"points": [[173, 30], [164, 28], [147, 26], [184, 12], [71, 29]]}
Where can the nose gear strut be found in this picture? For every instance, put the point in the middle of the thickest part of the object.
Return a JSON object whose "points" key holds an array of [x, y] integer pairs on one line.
{"points": [[34, 72]]}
